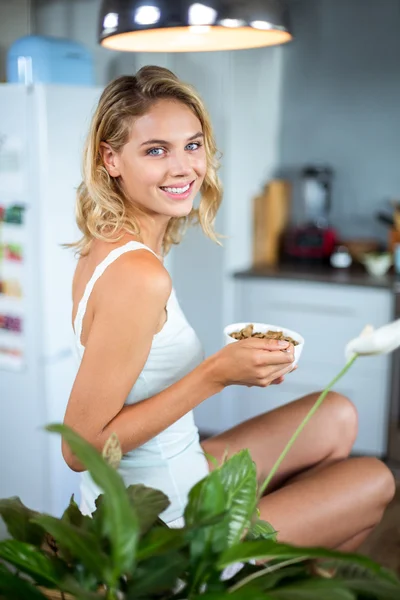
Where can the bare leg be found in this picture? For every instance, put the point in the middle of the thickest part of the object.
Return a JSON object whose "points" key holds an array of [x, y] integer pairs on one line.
{"points": [[327, 438], [317, 497], [353, 543], [332, 507]]}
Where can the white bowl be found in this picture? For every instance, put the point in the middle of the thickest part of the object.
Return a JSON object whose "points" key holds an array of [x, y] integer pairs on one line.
{"points": [[377, 264], [263, 328]]}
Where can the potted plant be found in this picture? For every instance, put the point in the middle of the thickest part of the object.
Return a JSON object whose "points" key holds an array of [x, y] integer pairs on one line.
{"points": [[125, 551]]}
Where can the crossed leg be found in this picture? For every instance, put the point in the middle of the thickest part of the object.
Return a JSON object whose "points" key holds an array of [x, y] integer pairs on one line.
{"points": [[319, 496]]}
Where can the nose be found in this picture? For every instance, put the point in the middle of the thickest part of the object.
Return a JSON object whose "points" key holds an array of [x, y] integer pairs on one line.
{"points": [[180, 164]]}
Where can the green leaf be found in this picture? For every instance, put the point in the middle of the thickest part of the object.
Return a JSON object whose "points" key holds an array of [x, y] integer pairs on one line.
{"points": [[148, 504], [14, 588], [44, 569], [97, 525], [207, 499], [239, 595], [285, 575], [239, 478], [160, 540], [81, 544], [351, 571], [313, 589], [381, 590], [156, 575], [211, 459], [268, 549], [72, 587], [17, 518], [261, 530], [121, 522], [295, 583], [73, 515]]}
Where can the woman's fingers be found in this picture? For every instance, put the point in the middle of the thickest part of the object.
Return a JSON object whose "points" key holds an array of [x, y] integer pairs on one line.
{"points": [[281, 378], [275, 358]]}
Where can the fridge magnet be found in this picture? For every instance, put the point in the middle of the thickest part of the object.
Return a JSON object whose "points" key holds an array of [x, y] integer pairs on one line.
{"points": [[11, 342], [12, 176]]}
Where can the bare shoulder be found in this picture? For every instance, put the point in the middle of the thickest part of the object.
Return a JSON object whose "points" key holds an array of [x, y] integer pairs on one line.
{"points": [[137, 274]]}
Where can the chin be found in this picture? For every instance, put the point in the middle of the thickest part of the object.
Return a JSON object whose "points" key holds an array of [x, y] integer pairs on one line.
{"points": [[180, 210], [180, 213]]}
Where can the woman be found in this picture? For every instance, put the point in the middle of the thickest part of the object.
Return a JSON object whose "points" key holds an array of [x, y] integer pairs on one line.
{"points": [[150, 150]]}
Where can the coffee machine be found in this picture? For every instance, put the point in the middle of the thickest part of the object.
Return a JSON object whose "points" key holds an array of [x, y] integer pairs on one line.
{"points": [[314, 239]]}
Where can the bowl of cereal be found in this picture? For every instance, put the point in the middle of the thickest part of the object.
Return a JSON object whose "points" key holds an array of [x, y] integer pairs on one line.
{"points": [[242, 331]]}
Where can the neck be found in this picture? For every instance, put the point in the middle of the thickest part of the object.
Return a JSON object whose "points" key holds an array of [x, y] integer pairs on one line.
{"points": [[153, 233]]}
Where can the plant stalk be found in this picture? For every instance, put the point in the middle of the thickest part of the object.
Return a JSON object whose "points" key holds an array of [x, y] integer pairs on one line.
{"points": [[262, 572], [300, 428]]}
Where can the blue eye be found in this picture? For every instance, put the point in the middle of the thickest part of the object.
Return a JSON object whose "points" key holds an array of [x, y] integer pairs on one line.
{"points": [[197, 144], [154, 151]]}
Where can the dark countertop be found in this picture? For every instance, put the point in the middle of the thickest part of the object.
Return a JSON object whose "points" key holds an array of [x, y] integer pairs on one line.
{"points": [[316, 272]]}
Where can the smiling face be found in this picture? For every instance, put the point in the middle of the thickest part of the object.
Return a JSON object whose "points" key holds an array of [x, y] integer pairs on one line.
{"points": [[163, 164]]}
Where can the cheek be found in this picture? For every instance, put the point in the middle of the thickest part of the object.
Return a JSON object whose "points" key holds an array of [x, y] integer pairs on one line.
{"points": [[200, 165], [144, 174]]}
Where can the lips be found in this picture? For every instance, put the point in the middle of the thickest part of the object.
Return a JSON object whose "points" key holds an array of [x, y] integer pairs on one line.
{"points": [[178, 192]]}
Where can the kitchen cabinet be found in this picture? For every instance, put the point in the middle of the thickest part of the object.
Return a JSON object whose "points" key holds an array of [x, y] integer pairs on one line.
{"points": [[327, 316]]}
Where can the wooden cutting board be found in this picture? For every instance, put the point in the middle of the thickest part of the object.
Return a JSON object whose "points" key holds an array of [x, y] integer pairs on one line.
{"points": [[270, 219]]}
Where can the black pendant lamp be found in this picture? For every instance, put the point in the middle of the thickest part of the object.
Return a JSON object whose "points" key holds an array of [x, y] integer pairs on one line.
{"points": [[190, 26]]}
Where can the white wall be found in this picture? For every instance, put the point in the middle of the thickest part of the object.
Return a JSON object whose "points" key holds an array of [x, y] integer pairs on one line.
{"points": [[340, 107], [254, 94], [15, 21]]}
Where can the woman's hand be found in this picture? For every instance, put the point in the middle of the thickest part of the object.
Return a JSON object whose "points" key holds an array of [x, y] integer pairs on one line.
{"points": [[253, 362], [282, 379]]}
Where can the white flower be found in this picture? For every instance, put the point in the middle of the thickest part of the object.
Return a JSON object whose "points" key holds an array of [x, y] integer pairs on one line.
{"points": [[375, 341]]}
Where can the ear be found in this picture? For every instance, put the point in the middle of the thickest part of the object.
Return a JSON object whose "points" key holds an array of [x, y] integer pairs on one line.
{"points": [[110, 159]]}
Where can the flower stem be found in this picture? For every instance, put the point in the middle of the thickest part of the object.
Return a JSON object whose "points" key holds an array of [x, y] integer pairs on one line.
{"points": [[300, 428], [262, 572]]}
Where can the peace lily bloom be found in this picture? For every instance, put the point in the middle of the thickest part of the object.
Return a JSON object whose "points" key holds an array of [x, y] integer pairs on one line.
{"points": [[375, 341], [370, 342]]}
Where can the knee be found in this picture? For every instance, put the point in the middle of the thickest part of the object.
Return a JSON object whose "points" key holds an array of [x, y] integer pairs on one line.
{"points": [[382, 480], [343, 422], [382, 484]]}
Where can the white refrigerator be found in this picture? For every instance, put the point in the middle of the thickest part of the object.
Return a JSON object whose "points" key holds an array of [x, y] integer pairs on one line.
{"points": [[42, 130]]}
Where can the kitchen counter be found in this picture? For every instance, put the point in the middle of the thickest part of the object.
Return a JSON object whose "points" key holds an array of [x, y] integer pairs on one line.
{"points": [[354, 275]]}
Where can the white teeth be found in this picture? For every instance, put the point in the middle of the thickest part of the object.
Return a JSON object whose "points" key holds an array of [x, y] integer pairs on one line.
{"points": [[174, 190]]}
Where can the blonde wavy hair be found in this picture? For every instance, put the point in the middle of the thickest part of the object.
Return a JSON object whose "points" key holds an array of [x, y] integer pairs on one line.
{"points": [[102, 209]]}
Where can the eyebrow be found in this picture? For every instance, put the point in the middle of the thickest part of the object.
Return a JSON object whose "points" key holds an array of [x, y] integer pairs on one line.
{"points": [[165, 143]]}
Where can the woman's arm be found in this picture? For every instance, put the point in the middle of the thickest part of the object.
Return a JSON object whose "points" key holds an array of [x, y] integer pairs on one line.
{"points": [[129, 301]]}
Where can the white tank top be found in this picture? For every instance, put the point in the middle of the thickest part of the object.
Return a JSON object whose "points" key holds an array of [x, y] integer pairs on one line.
{"points": [[173, 461]]}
